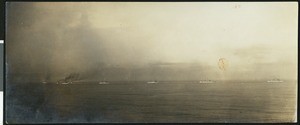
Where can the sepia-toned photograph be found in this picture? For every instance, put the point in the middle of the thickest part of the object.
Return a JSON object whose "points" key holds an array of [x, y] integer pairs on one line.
{"points": [[151, 62]]}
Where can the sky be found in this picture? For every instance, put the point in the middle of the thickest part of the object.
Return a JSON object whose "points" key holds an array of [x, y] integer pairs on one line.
{"points": [[255, 38]]}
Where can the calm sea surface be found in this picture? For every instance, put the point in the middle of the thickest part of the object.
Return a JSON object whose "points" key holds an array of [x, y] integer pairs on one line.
{"points": [[141, 102]]}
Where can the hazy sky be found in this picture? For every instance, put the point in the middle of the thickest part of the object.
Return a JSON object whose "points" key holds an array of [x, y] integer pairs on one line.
{"points": [[248, 34]]}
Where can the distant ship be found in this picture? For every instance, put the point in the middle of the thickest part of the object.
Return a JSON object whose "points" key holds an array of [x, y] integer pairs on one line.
{"points": [[46, 78], [103, 82], [44, 81], [207, 81], [69, 79], [152, 82], [275, 81], [64, 83]]}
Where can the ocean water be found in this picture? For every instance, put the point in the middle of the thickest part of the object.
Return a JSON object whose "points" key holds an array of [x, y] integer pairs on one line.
{"points": [[139, 102]]}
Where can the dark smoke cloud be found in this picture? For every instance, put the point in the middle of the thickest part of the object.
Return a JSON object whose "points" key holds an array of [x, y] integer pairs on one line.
{"points": [[41, 39]]}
